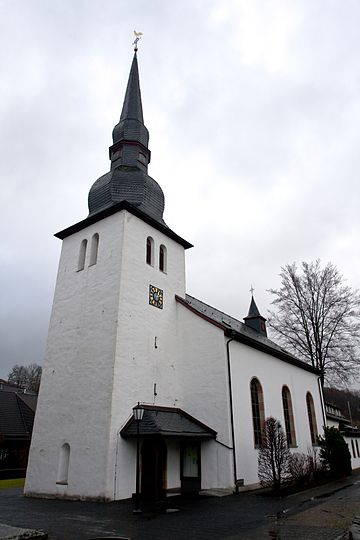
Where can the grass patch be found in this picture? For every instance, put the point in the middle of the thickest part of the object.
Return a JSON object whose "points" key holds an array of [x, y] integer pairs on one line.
{"points": [[12, 483]]}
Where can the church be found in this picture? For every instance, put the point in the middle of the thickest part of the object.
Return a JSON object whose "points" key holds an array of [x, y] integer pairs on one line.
{"points": [[124, 333]]}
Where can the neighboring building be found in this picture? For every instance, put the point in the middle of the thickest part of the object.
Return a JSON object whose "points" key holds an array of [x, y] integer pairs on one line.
{"points": [[351, 434], [123, 331], [17, 411]]}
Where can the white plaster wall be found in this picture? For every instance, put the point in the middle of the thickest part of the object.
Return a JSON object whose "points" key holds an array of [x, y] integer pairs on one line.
{"points": [[75, 396], [204, 384], [146, 345], [355, 461], [101, 359], [332, 423], [272, 373]]}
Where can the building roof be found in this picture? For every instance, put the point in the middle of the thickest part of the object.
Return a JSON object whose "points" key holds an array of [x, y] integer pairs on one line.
{"points": [[16, 416], [128, 179], [238, 331], [253, 309], [123, 205], [131, 124], [168, 422]]}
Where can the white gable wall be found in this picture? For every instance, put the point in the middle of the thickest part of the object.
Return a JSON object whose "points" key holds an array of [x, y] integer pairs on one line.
{"points": [[273, 374]]}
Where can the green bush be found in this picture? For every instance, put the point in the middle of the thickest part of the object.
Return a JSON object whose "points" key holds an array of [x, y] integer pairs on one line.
{"points": [[334, 453]]}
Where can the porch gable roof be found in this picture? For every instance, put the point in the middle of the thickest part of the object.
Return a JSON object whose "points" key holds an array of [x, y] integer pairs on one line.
{"points": [[168, 422]]}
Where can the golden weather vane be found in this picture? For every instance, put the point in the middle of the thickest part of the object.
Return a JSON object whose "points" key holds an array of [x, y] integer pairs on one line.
{"points": [[137, 37]]}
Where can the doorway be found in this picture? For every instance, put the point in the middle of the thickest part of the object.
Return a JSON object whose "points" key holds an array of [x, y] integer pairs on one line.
{"points": [[153, 468], [190, 471]]}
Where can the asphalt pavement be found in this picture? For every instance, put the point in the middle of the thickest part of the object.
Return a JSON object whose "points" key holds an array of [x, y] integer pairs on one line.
{"points": [[322, 513]]}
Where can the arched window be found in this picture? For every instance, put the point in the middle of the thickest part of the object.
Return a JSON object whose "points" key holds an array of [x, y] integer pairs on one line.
{"points": [[353, 448], [63, 468], [162, 258], [150, 251], [312, 418], [94, 249], [288, 417], [82, 255], [258, 413]]}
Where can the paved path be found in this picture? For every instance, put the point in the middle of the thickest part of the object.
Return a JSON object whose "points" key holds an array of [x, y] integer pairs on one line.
{"points": [[309, 515]]}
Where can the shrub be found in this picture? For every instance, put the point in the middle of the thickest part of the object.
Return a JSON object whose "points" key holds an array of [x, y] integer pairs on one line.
{"points": [[274, 455], [334, 453], [303, 467]]}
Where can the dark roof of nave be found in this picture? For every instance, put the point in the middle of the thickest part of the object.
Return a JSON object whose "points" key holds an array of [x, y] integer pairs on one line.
{"points": [[233, 328]]}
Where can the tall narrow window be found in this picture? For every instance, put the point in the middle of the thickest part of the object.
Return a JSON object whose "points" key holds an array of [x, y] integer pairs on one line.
{"points": [[150, 251], [357, 448], [353, 448], [94, 249], [312, 418], [82, 255], [162, 258], [63, 468], [288, 417], [258, 413]]}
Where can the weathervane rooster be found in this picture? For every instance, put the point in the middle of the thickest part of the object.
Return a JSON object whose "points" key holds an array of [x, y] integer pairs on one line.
{"points": [[137, 37]]}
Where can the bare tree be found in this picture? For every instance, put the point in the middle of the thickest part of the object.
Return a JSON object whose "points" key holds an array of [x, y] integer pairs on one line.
{"points": [[18, 376], [26, 377], [318, 318], [274, 455]]}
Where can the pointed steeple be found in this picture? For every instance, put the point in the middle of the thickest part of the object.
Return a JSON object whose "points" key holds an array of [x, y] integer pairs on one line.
{"points": [[128, 179], [254, 319], [131, 124]]}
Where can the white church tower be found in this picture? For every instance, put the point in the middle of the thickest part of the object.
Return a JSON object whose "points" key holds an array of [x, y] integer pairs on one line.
{"points": [[113, 325]]}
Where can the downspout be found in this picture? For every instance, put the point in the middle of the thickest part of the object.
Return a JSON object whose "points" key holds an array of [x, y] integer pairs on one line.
{"points": [[319, 380], [231, 412]]}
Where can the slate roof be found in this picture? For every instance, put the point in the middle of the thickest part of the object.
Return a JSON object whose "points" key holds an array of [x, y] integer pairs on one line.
{"points": [[123, 205], [16, 416], [233, 328], [131, 124], [253, 309], [168, 422], [127, 179]]}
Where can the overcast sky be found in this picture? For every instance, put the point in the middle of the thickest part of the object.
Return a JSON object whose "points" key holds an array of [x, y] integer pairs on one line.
{"points": [[253, 108]]}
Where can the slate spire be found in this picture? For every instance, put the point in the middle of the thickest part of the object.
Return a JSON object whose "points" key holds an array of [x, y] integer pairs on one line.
{"points": [[129, 154], [254, 319], [131, 124]]}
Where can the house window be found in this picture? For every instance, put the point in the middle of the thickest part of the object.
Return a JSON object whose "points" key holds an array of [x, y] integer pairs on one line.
{"points": [[312, 418], [258, 413], [63, 468], [162, 258], [82, 255], [357, 449], [150, 251], [353, 448], [94, 249], [288, 417]]}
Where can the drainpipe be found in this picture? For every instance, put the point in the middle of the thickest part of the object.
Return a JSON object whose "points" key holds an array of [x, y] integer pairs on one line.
{"points": [[231, 411]]}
